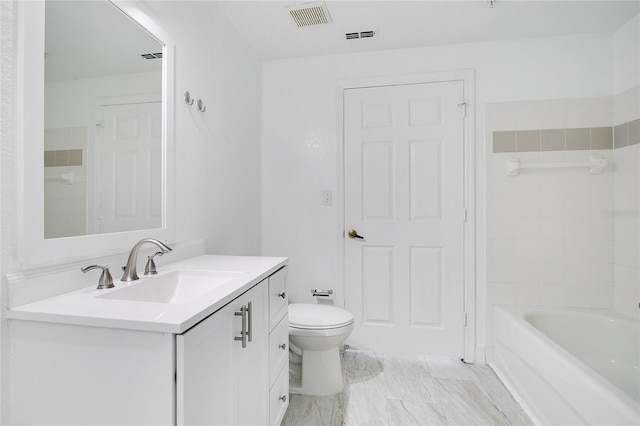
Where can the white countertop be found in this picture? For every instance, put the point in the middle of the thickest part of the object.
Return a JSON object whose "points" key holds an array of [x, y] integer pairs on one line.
{"points": [[85, 307]]}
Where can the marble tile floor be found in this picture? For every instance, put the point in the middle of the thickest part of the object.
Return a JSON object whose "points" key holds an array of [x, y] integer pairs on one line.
{"points": [[387, 389]]}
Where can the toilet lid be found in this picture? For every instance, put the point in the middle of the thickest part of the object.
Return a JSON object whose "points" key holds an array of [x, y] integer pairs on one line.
{"points": [[308, 316]]}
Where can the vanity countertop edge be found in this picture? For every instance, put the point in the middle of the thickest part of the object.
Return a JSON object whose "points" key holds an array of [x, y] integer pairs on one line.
{"points": [[83, 307]]}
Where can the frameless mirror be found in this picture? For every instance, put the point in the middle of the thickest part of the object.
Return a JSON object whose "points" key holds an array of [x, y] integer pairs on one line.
{"points": [[103, 122]]}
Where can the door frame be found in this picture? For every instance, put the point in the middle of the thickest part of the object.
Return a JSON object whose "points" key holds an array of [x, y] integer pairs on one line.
{"points": [[469, 284]]}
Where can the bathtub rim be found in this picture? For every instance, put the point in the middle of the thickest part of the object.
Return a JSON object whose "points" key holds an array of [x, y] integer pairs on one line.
{"points": [[516, 314]]}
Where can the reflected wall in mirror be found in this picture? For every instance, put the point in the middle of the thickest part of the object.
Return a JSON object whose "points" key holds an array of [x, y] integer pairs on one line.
{"points": [[103, 127]]}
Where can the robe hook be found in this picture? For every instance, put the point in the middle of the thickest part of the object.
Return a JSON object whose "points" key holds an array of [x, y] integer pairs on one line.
{"points": [[201, 106], [187, 98]]}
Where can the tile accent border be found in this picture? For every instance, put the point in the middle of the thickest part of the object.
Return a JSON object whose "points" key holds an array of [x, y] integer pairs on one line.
{"points": [[628, 133], [553, 140], [587, 138], [61, 158]]}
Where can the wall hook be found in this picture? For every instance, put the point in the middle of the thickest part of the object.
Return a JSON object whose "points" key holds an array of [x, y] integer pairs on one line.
{"points": [[187, 98], [200, 106]]}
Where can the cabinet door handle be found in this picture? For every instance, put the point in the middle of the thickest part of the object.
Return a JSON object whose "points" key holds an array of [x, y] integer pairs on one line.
{"points": [[250, 326], [243, 333], [283, 294], [283, 398], [283, 346]]}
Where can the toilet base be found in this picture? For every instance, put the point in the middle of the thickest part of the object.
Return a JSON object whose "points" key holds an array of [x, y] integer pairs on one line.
{"points": [[321, 373]]}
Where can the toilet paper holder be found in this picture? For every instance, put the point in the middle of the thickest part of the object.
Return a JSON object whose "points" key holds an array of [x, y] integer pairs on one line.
{"points": [[321, 293]]}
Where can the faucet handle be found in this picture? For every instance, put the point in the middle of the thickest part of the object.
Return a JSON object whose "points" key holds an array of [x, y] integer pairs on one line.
{"points": [[150, 268], [105, 280]]}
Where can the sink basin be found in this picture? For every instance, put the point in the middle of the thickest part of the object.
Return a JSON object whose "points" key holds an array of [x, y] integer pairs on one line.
{"points": [[174, 287]]}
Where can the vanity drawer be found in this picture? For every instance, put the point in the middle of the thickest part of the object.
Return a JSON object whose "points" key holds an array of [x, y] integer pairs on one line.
{"points": [[279, 397], [278, 297], [278, 347]]}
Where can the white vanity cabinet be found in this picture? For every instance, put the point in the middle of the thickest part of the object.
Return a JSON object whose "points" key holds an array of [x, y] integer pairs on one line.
{"points": [[222, 380], [278, 347], [65, 374], [71, 372]]}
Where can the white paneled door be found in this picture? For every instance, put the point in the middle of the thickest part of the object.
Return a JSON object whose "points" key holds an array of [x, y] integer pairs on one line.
{"points": [[129, 167], [404, 206]]}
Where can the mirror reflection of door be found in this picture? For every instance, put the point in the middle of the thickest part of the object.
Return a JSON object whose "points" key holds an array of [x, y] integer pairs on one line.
{"points": [[128, 175]]}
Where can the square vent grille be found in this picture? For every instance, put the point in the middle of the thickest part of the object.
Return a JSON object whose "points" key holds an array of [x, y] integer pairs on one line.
{"points": [[307, 14]]}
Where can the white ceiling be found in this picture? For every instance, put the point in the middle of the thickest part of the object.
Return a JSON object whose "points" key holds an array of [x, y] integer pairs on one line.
{"points": [[268, 28], [92, 38]]}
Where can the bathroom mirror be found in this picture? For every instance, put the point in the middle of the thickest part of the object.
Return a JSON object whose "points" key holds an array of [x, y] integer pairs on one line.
{"points": [[102, 121], [97, 129]]}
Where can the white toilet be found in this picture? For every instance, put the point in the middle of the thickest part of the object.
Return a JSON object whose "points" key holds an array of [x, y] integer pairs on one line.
{"points": [[315, 334]]}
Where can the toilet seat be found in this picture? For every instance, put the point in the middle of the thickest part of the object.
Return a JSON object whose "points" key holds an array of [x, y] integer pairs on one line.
{"points": [[317, 317]]}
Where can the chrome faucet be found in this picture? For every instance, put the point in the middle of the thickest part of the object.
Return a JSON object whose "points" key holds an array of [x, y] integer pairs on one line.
{"points": [[130, 273]]}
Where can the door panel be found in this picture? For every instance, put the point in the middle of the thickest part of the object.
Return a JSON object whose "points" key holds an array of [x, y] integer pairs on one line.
{"points": [[425, 160], [404, 193], [377, 282], [377, 180], [129, 167]]}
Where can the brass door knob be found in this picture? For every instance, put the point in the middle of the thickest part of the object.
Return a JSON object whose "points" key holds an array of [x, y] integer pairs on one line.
{"points": [[353, 234]]}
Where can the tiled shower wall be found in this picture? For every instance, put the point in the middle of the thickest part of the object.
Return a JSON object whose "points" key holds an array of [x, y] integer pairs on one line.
{"points": [[550, 238], [626, 209], [65, 203]]}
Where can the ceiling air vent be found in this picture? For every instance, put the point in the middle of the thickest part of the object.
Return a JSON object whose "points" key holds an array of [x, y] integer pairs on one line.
{"points": [[152, 55], [362, 34], [307, 14]]}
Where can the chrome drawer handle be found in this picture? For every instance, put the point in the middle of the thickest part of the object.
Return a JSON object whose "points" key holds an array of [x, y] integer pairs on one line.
{"points": [[249, 316], [283, 346], [243, 333], [283, 294], [283, 398]]}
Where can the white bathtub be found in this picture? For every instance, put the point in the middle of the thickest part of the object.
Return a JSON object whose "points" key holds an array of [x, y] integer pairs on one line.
{"points": [[570, 366]]}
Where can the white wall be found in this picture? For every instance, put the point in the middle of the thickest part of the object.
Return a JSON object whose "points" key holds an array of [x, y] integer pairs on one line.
{"points": [[300, 134], [217, 153], [626, 221], [73, 103], [626, 56], [8, 185]]}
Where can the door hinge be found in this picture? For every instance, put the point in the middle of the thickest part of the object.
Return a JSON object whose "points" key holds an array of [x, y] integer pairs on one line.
{"points": [[463, 105], [464, 214], [464, 320], [99, 128]]}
